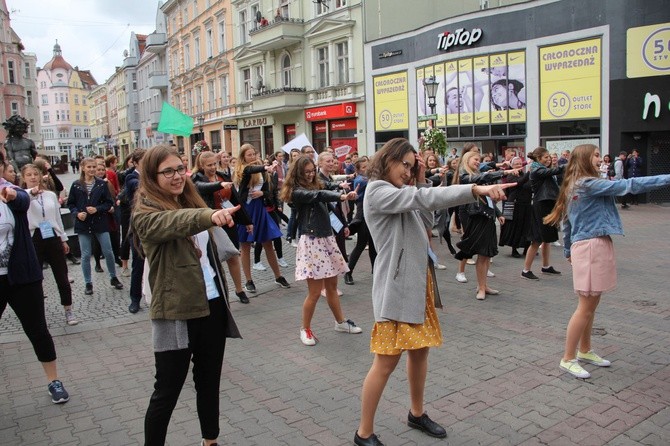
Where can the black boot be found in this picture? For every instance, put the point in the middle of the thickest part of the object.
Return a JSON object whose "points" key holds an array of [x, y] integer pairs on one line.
{"points": [[348, 279]]}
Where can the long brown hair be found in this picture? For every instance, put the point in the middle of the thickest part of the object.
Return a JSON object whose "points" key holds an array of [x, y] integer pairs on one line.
{"points": [[391, 152], [296, 178], [152, 197], [241, 164], [580, 166]]}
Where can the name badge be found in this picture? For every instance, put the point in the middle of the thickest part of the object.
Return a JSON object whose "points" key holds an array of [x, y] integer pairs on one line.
{"points": [[46, 230]]}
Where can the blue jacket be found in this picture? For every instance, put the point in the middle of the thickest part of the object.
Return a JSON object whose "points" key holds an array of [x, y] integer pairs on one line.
{"points": [[592, 210], [79, 199], [23, 267]]}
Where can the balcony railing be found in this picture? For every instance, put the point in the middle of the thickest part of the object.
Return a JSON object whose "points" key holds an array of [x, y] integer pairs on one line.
{"points": [[279, 33], [278, 98], [158, 80]]}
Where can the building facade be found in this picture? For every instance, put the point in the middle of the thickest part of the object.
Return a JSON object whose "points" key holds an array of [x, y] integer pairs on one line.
{"points": [[64, 120], [530, 74], [299, 70], [99, 119]]}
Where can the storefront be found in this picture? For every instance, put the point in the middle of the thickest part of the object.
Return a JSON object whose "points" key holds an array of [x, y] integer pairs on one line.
{"points": [[335, 126], [537, 73], [257, 132]]}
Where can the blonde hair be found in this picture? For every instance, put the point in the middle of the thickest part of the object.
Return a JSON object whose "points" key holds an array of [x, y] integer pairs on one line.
{"points": [[241, 164], [463, 166], [579, 166]]}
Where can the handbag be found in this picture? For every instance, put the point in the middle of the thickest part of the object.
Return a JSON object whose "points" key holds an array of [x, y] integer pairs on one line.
{"points": [[224, 246], [508, 210]]}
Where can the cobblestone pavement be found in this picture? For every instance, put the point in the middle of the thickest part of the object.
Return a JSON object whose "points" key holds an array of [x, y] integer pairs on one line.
{"points": [[494, 381]]}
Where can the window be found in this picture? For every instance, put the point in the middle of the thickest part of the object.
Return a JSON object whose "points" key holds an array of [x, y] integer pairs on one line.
{"points": [[45, 116], [321, 7], [77, 117], [63, 133], [243, 27], [57, 115], [322, 63], [175, 63], [48, 133], [55, 98], [85, 116], [209, 50], [211, 95], [283, 8], [67, 101], [246, 85], [15, 108], [66, 114], [198, 100], [286, 70], [43, 84], [223, 85], [27, 70], [222, 35], [187, 57], [83, 100], [134, 81], [76, 99], [10, 71], [342, 50], [195, 8], [196, 49], [77, 132], [87, 133], [189, 102], [340, 3], [45, 99], [62, 98], [255, 9], [184, 17], [29, 98], [259, 83]]}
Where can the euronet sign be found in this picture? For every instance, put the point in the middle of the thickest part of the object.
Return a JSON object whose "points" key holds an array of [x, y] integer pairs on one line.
{"points": [[459, 37]]}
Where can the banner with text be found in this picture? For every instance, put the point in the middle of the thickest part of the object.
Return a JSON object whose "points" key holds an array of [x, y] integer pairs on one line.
{"points": [[570, 80], [391, 102]]}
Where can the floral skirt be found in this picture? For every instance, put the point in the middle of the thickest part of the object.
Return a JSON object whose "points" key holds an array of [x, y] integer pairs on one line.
{"points": [[393, 337], [318, 258]]}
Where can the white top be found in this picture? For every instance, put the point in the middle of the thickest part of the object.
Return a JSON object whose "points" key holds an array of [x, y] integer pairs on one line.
{"points": [[45, 206], [6, 236]]}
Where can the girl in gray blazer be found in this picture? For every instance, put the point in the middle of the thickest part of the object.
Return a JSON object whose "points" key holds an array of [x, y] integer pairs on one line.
{"points": [[398, 208]]}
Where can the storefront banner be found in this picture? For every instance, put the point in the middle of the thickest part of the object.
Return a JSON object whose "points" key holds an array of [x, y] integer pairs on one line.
{"points": [[344, 110], [648, 50], [570, 81], [440, 110], [391, 102], [452, 100], [498, 96], [465, 84], [481, 90], [421, 100], [516, 86]]}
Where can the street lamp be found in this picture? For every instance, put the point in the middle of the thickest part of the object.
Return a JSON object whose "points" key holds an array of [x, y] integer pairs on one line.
{"points": [[201, 122], [430, 85]]}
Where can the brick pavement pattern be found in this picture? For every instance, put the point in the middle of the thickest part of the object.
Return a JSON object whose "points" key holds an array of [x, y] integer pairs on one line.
{"points": [[494, 381]]}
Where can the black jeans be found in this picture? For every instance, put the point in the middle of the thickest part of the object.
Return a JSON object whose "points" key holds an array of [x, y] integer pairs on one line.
{"points": [[51, 251], [207, 343], [27, 301], [136, 272], [362, 239]]}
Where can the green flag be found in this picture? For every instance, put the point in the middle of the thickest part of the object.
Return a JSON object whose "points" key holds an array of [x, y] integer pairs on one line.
{"points": [[174, 122]]}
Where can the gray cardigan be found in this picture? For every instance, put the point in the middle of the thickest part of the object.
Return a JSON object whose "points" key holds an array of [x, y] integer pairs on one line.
{"points": [[397, 219]]}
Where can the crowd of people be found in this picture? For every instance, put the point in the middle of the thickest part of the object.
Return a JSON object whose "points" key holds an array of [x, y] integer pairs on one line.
{"points": [[163, 224]]}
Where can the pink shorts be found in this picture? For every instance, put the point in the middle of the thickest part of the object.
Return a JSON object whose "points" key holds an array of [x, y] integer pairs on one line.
{"points": [[593, 266]]}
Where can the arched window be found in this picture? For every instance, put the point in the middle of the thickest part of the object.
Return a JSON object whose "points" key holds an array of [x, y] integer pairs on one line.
{"points": [[286, 70]]}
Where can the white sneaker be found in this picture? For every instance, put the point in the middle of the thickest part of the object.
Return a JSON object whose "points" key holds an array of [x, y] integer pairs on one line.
{"points": [[294, 244], [70, 318], [573, 368], [490, 274], [259, 266], [282, 262], [125, 272], [460, 277], [557, 243], [339, 292], [348, 326], [440, 266], [307, 337], [471, 261]]}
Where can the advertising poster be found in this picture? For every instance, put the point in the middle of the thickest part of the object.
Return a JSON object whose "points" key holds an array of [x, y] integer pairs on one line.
{"points": [[421, 101], [516, 86], [391, 102], [498, 76], [466, 112], [453, 97], [480, 66], [648, 50], [438, 72], [570, 81]]}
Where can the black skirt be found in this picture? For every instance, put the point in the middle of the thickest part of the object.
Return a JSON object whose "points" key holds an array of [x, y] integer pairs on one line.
{"points": [[516, 232], [479, 238], [541, 233]]}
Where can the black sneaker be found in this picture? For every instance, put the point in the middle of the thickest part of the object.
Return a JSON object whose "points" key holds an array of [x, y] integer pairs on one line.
{"points": [[282, 282], [550, 270], [71, 257], [89, 289], [372, 440], [250, 287], [529, 275], [242, 296], [348, 278], [425, 424], [58, 393], [134, 307], [116, 284], [98, 269]]}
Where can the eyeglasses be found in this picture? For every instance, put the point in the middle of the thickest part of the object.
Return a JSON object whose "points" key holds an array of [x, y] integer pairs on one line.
{"points": [[408, 167], [309, 172], [169, 172]]}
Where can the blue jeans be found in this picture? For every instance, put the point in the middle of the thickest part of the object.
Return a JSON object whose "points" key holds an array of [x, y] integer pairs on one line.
{"points": [[86, 243]]}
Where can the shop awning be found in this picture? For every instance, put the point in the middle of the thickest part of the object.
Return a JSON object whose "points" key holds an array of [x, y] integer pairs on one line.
{"points": [[51, 153]]}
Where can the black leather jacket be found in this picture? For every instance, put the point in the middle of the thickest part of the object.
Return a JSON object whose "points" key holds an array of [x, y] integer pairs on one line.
{"points": [[207, 188], [313, 210], [543, 184]]}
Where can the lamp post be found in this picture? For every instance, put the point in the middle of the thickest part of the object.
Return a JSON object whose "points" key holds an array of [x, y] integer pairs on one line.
{"points": [[201, 122], [430, 85]]}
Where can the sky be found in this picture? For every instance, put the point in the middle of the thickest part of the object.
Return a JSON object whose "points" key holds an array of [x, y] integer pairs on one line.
{"points": [[92, 34]]}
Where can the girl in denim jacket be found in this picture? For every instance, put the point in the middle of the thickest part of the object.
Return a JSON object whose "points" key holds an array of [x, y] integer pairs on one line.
{"points": [[588, 211]]}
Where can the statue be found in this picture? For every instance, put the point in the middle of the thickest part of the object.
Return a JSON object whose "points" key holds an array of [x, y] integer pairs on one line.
{"points": [[20, 150]]}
